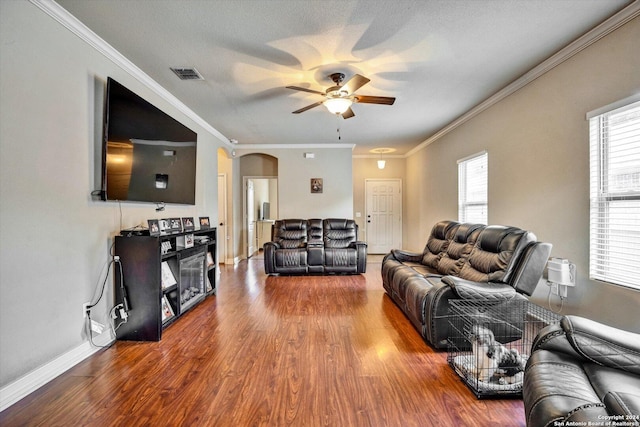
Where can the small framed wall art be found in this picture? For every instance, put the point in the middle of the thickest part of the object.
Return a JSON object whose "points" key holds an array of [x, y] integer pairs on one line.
{"points": [[316, 185], [204, 222]]}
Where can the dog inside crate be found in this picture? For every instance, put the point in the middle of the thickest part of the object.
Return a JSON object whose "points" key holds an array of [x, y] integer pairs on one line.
{"points": [[488, 345], [492, 360], [489, 342]]}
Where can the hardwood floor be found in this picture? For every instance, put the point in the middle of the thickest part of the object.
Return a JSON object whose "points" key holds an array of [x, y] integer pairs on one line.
{"points": [[271, 351]]}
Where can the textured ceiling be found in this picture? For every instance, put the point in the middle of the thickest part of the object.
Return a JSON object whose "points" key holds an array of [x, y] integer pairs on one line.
{"points": [[438, 58]]}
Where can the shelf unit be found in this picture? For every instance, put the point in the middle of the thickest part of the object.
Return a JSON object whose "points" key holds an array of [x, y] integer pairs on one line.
{"points": [[163, 277]]}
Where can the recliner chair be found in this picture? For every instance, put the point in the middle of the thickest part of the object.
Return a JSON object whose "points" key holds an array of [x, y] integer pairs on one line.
{"points": [[287, 251], [343, 253]]}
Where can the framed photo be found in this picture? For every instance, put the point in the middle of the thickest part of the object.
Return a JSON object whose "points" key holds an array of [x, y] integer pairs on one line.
{"points": [[164, 226], [204, 222], [187, 224], [154, 227], [167, 311], [316, 185], [175, 225]]}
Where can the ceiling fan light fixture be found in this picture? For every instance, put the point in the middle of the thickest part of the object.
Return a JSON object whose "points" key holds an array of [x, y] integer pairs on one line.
{"points": [[338, 105]]}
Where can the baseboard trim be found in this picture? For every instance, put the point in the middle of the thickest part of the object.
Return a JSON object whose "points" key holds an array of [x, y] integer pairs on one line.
{"points": [[22, 387]]}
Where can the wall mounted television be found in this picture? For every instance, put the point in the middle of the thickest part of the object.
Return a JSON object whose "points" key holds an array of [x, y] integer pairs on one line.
{"points": [[147, 155]]}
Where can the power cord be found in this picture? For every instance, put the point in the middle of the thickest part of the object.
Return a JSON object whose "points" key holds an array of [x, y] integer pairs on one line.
{"points": [[121, 309], [550, 285]]}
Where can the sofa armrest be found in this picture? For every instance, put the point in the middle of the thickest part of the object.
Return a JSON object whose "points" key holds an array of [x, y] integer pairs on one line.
{"points": [[270, 247], [602, 344], [592, 341], [467, 289], [361, 249], [269, 256], [406, 256]]}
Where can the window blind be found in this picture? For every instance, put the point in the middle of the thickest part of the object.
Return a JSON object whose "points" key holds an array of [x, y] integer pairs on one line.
{"points": [[614, 254], [473, 189]]}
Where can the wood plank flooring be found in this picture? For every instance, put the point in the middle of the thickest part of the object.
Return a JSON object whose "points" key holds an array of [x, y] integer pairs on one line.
{"points": [[271, 351]]}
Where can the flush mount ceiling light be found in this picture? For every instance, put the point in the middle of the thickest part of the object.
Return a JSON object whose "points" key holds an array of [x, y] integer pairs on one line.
{"points": [[380, 151]]}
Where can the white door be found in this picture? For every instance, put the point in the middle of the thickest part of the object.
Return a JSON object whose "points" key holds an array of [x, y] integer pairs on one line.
{"points": [[251, 220], [221, 244], [383, 215]]}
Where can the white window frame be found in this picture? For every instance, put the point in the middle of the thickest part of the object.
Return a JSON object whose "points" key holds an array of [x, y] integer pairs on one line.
{"points": [[614, 211], [473, 188]]}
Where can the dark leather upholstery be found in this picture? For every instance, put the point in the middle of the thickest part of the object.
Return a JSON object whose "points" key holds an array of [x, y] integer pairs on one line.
{"points": [[290, 236], [582, 371], [462, 261], [315, 246]]}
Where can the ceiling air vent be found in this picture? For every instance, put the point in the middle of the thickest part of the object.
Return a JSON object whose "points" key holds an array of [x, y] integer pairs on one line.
{"points": [[187, 73]]}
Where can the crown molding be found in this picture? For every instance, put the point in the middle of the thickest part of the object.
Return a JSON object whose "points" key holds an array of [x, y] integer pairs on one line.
{"points": [[290, 146], [377, 156], [605, 28], [70, 22]]}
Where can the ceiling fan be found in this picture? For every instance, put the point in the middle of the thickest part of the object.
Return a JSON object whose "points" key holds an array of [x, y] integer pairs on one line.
{"points": [[338, 98]]}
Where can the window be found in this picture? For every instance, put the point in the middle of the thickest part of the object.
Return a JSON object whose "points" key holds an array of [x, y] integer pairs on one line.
{"points": [[472, 188], [614, 134]]}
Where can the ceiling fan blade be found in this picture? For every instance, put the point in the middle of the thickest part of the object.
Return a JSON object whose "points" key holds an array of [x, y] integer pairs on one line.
{"points": [[348, 114], [305, 90], [354, 83], [308, 107], [386, 100]]}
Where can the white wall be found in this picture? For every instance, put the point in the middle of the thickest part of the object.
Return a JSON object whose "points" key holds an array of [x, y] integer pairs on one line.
{"points": [[333, 165], [538, 145], [55, 238]]}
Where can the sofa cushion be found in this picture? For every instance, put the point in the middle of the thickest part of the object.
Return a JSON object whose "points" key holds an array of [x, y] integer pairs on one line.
{"points": [[493, 254], [339, 233], [294, 260], [438, 242], [290, 233], [459, 248]]}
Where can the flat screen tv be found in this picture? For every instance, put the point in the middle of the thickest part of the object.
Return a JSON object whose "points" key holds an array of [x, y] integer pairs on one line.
{"points": [[147, 156]]}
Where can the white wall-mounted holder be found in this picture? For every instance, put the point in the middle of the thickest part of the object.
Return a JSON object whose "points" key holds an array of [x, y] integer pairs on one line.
{"points": [[561, 274]]}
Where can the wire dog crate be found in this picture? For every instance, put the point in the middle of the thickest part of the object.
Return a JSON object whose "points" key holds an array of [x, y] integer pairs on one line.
{"points": [[489, 343]]}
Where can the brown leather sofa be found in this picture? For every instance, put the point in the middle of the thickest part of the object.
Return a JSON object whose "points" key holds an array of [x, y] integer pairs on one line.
{"points": [[582, 372], [322, 246], [462, 261]]}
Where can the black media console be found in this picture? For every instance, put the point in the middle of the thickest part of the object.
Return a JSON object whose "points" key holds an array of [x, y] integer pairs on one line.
{"points": [[163, 277]]}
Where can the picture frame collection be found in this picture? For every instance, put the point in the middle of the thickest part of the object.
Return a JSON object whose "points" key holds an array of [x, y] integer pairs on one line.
{"points": [[164, 226]]}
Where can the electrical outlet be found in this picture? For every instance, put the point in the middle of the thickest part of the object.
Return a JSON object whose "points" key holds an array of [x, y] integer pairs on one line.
{"points": [[562, 290], [85, 308], [554, 288]]}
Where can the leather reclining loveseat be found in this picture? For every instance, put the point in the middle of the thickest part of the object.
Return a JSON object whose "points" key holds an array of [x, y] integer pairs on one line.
{"points": [[323, 246], [582, 372], [462, 261]]}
